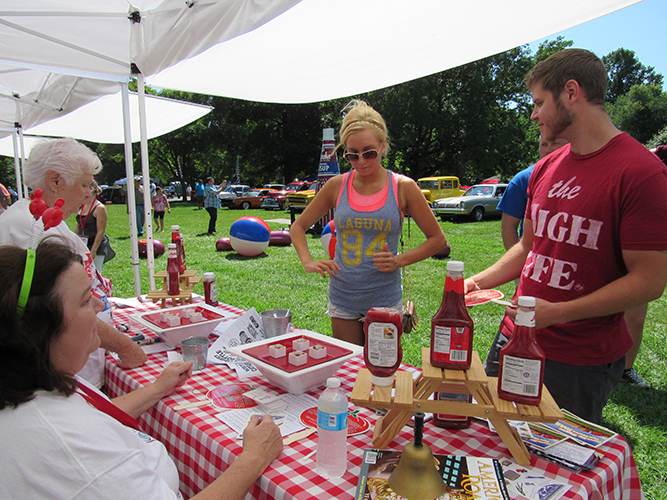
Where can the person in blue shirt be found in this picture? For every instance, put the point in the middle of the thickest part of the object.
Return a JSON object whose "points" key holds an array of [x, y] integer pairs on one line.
{"points": [[514, 200]]}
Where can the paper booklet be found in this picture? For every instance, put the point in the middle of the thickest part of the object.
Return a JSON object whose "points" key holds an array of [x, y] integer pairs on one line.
{"points": [[465, 477]]}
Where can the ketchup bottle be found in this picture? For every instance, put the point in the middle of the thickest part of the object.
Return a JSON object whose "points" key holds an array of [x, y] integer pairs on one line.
{"points": [[210, 290], [173, 285], [452, 326], [383, 353], [451, 421], [178, 241], [522, 360]]}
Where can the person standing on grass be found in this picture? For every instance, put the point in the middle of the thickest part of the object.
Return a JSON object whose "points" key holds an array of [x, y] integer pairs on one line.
{"points": [[212, 202], [160, 204], [139, 204], [91, 224], [593, 244], [200, 190], [369, 202]]}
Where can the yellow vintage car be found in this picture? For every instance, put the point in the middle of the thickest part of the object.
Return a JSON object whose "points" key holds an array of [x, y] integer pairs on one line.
{"points": [[435, 188]]}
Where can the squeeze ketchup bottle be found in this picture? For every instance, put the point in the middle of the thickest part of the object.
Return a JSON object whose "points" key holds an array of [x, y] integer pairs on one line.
{"points": [[522, 360], [452, 326], [383, 353], [445, 421], [178, 241], [173, 285]]}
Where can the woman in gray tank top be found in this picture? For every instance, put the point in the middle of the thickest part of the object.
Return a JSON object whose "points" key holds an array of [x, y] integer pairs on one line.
{"points": [[369, 203]]}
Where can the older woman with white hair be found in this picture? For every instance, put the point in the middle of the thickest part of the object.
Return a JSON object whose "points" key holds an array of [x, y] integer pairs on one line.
{"points": [[64, 169]]}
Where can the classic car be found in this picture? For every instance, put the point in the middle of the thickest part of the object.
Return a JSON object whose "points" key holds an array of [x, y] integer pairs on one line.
{"points": [[232, 191], [276, 200], [480, 201], [253, 199], [435, 188]]}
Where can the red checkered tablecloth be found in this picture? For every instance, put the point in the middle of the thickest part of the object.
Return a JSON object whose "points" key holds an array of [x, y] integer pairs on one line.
{"points": [[203, 447]]}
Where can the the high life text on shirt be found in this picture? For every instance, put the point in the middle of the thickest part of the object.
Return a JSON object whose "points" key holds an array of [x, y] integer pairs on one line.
{"points": [[560, 227]]}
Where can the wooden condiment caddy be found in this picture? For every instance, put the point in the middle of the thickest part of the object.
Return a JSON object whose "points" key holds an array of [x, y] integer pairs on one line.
{"points": [[414, 395]]}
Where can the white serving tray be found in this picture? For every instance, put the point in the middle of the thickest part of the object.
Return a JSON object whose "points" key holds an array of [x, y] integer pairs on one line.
{"points": [[173, 335], [307, 378]]}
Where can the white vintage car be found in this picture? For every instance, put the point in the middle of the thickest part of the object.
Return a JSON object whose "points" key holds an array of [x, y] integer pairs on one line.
{"points": [[479, 201]]}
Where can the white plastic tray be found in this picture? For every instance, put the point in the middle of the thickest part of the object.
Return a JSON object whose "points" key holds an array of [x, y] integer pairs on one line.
{"points": [[307, 378], [174, 335]]}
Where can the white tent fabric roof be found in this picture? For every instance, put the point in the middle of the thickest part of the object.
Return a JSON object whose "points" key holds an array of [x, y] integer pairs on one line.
{"points": [[96, 38], [320, 50], [102, 121]]}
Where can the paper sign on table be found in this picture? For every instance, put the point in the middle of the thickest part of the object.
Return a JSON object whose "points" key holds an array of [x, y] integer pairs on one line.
{"points": [[245, 330], [295, 405]]}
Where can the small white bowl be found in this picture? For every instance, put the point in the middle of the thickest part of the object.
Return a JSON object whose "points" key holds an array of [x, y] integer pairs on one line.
{"points": [[304, 379]]}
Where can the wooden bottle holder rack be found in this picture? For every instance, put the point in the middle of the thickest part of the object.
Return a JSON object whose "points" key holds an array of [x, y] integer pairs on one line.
{"points": [[187, 281], [409, 396]]}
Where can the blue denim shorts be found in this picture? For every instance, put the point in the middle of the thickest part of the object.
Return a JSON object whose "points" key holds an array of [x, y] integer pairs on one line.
{"points": [[336, 312]]}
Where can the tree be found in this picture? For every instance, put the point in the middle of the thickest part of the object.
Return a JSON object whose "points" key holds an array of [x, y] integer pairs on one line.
{"points": [[642, 112], [625, 71]]}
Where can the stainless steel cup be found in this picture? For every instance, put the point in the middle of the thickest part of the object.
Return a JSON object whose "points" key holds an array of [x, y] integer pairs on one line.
{"points": [[195, 349], [276, 322]]}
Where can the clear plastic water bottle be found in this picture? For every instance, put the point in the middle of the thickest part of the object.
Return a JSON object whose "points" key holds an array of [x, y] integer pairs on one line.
{"points": [[332, 431]]}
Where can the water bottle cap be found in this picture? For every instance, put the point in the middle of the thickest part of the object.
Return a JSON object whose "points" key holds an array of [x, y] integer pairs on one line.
{"points": [[526, 301], [175, 228], [328, 134], [455, 265], [333, 382]]}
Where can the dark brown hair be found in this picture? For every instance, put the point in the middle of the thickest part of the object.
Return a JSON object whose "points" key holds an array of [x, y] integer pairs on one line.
{"points": [[25, 343], [571, 64]]}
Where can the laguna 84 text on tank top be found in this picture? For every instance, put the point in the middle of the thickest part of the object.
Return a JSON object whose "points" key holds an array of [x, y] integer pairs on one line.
{"points": [[362, 229]]}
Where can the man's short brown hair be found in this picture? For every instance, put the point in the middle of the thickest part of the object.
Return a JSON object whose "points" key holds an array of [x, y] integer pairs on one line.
{"points": [[571, 64]]}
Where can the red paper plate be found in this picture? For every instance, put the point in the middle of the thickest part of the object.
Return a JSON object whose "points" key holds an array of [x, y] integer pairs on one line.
{"points": [[261, 352], [231, 396], [482, 297], [355, 423]]}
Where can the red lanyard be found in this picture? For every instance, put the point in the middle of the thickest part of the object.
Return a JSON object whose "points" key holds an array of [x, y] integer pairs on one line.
{"points": [[106, 406], [86, 219]]}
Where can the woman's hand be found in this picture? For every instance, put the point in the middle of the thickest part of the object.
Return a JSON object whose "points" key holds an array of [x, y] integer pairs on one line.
{"points": [[262, 440], [385, 261], [324, 267], [173, 376]]}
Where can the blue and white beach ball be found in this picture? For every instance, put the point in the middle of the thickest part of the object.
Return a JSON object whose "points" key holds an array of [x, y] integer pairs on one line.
{"points": [[328, 239], [249, 236]]}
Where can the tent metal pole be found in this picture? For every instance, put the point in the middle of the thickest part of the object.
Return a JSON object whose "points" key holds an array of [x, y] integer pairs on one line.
{"points": [[24, 188], [146, 179], [17, 164], [129, 173]]}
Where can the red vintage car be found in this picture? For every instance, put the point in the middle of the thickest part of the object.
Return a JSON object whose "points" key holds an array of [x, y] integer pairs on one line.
{"points": [[253, 199], [276, 200]]}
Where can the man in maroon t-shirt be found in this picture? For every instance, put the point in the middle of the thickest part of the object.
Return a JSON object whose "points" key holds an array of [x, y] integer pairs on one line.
{"points": [[591, 247]]}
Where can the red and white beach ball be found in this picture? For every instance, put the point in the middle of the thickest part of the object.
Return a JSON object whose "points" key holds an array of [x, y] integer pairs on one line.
{"points": [[249, 236], [158, 248], [328, 239]]}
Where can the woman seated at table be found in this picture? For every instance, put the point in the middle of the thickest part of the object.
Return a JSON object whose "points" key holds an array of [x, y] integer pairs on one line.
{"points": [[61, 438]]}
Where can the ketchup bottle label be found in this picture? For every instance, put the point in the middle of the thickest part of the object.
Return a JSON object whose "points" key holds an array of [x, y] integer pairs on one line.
{"points": [[452, 285], [521, 376], [451, 344], [382, 345]]}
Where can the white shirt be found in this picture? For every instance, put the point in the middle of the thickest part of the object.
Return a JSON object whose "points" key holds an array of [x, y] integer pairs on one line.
{"points": [[62, 448]]}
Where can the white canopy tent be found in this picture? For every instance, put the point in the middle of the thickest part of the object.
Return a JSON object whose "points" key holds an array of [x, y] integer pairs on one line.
{"points": [[312, 50], [101, 121], [110, 40], [320, 50]]}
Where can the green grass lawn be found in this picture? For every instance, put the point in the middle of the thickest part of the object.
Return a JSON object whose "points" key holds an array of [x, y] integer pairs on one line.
{"points": [[276, 279]]}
